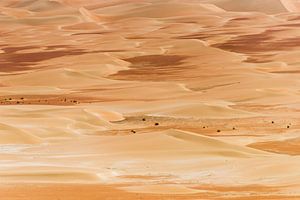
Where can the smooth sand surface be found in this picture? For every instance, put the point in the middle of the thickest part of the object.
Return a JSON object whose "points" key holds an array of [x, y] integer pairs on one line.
{"points": [[130, 99]]}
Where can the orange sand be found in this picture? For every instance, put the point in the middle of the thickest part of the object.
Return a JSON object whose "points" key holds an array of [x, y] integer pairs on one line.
{"points": [[149, 99]]}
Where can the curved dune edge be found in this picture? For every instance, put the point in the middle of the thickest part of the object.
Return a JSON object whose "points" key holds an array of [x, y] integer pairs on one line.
{"points": [[210, 144], [291, 5], [252, 6], [12, 135], [203, 111]]}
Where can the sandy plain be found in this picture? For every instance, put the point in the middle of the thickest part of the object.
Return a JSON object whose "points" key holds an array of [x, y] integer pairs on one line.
{"points": [[130, 99]]}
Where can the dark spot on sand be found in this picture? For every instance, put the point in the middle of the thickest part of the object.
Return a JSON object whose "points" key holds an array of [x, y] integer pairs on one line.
{"points": [[151, 67], [12, 60]]}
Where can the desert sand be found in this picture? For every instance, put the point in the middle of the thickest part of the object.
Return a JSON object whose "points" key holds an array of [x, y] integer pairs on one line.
{"points": [[149, 99]]}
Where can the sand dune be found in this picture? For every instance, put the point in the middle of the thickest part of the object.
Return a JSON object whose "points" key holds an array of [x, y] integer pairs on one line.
{"points": [[17, 13], [293, 6], [204, 111], [130, 99], [162, 10], [40, 176], [250, 6], [12, 135], [209, 144], [56, 78], [89, 16], [34, 6], [156, 145]]}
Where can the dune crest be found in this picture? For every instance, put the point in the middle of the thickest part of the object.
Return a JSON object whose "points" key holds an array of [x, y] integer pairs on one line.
{"points": [[291, 5], [88, 15]]}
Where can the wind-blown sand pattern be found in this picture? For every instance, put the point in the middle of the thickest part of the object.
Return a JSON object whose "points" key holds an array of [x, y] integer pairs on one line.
{"points": [[131, 99]]}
